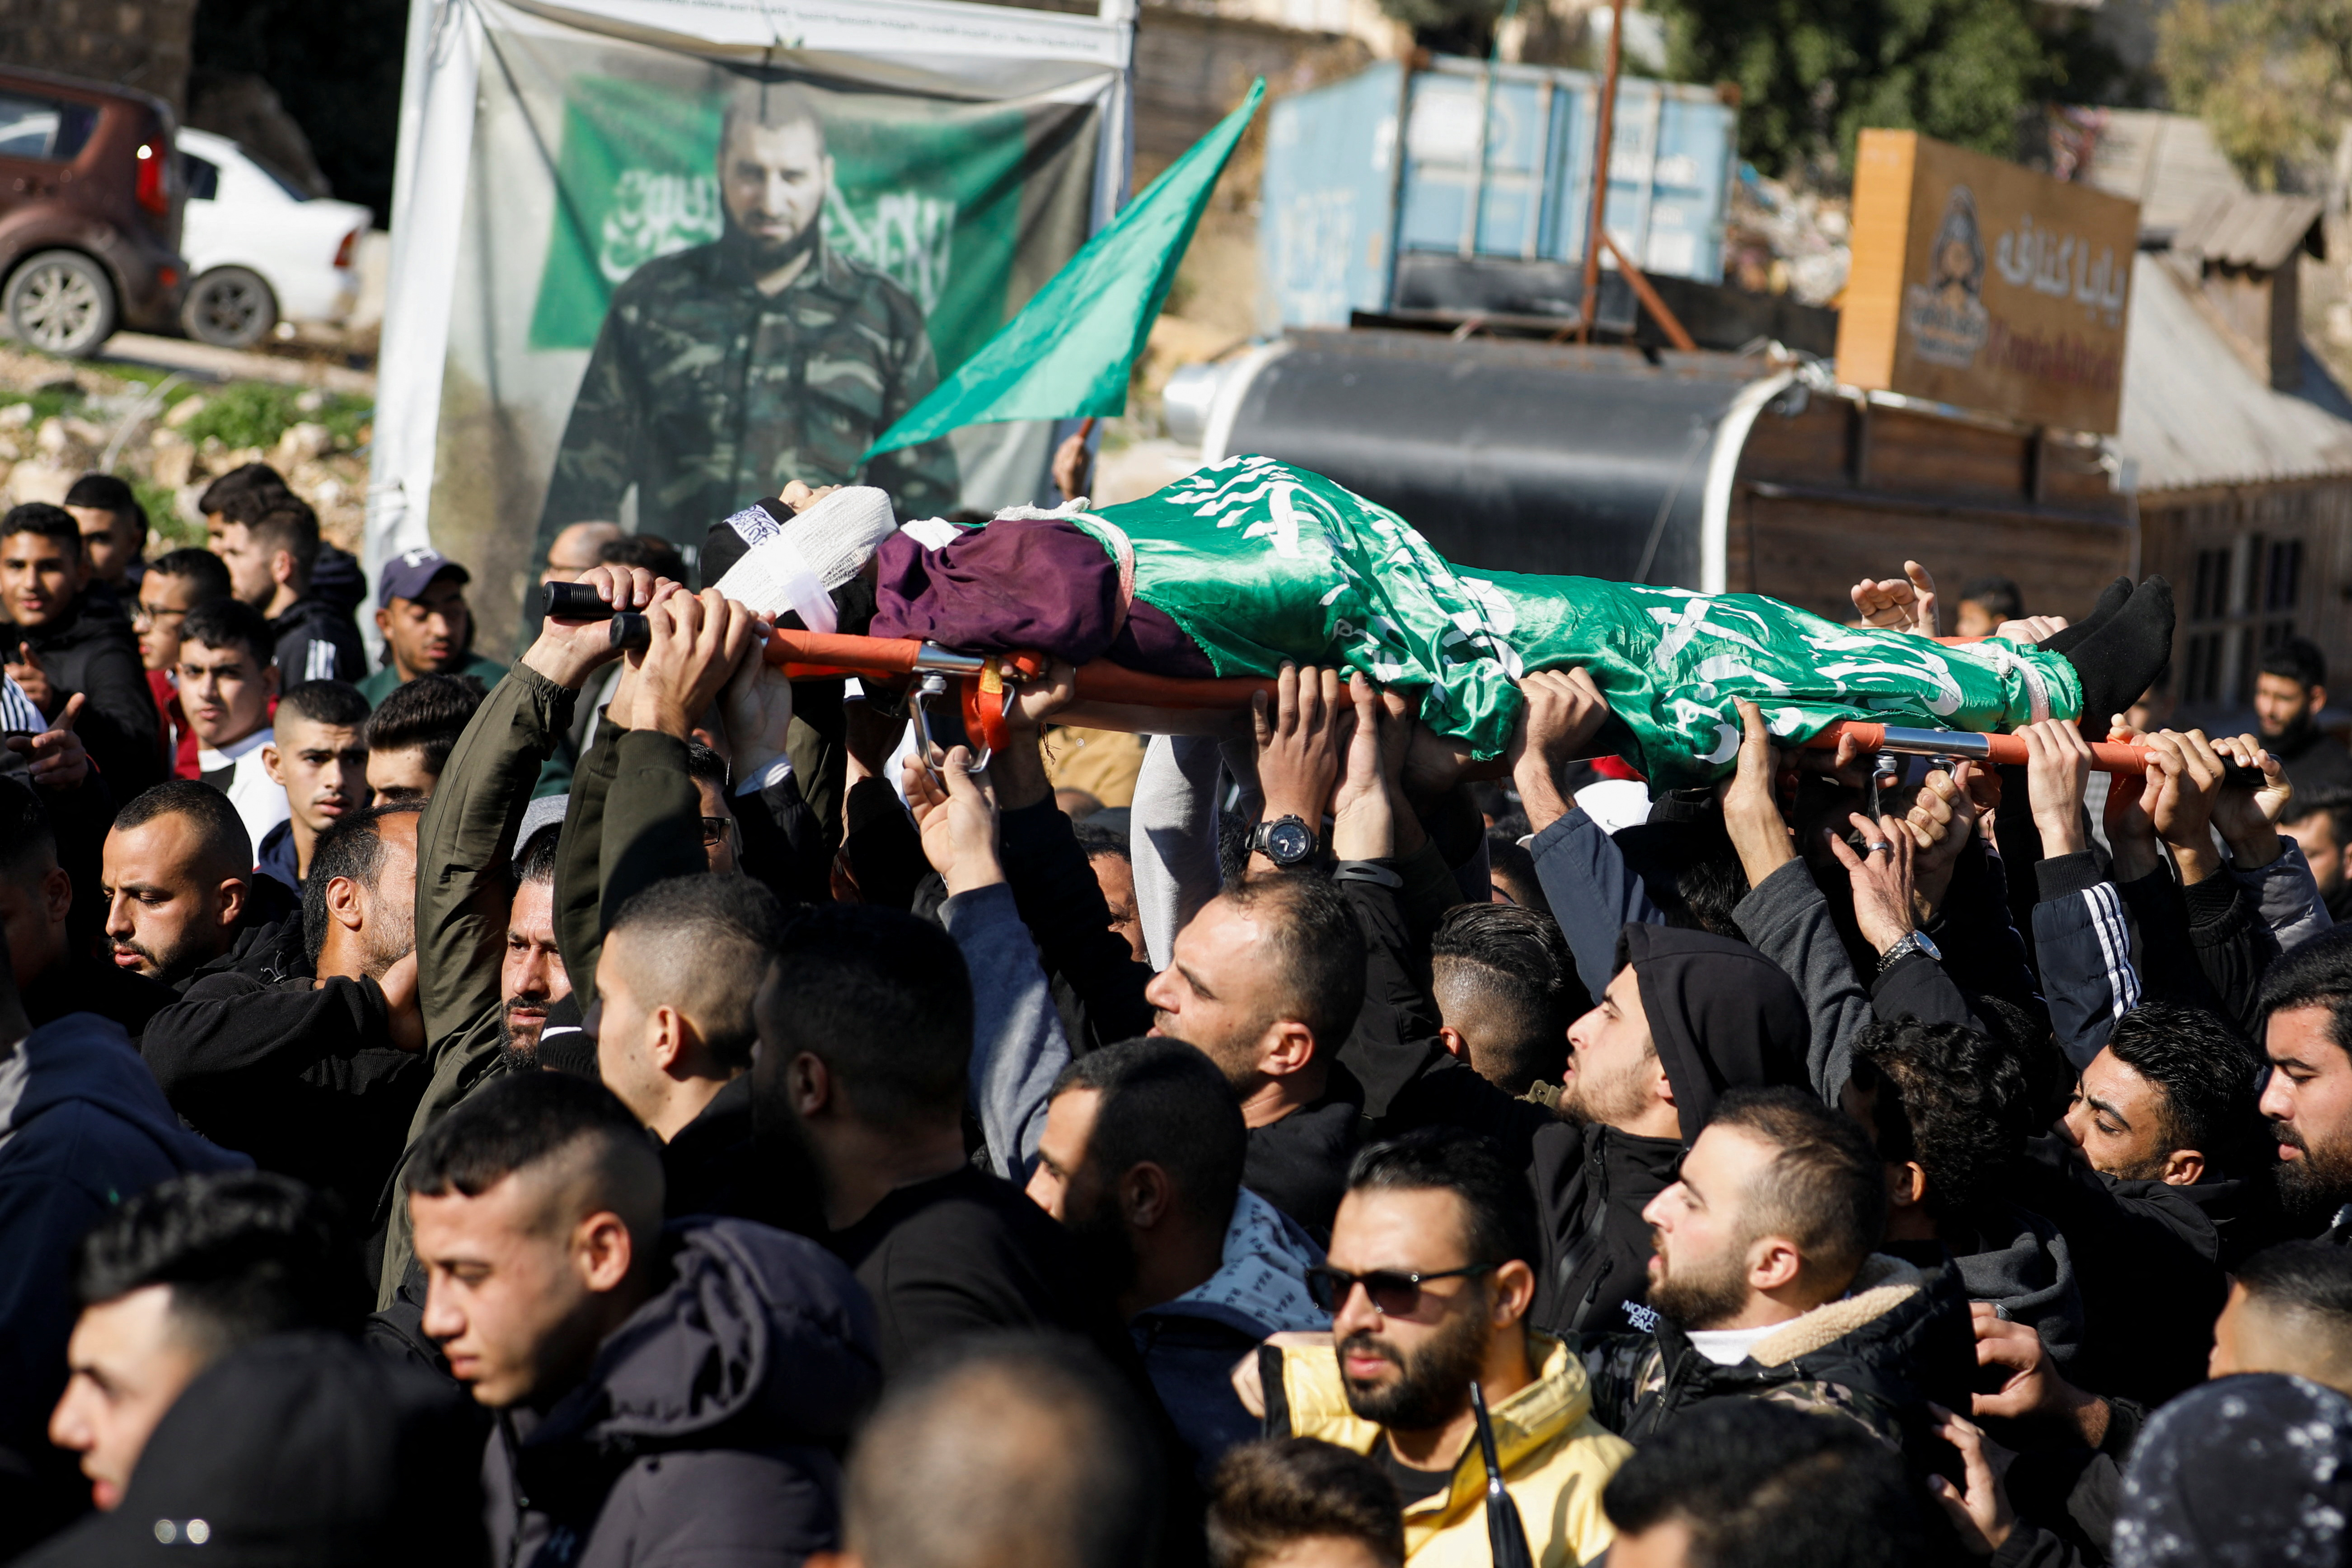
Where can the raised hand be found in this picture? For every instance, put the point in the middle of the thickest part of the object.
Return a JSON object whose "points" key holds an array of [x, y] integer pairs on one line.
{"points": [[2057, 770], [1565, 709], [55, 757], [2183, 809], [1751, 811], [23, 667], [956, 815], [1942, 819], [1980, 1514], [2247, 816], [1363, 812], [1897, 604], [755, 707], [567, 652], [1882, 878], [1298, 740], [697, 641]]}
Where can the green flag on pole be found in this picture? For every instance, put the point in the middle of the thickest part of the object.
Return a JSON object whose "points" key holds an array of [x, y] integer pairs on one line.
{"points": [[1069, 352]]}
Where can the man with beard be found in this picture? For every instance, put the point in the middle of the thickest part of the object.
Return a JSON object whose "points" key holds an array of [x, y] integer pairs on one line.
{"points": [[1765, 1285], [1428, 1286], [54, 971], [732, 368], [2153, 1177], [2321, 821], [315, 1077], [178, 880], [2306, 1004], [1142, 1160], [489, 966], [2289, 693]]}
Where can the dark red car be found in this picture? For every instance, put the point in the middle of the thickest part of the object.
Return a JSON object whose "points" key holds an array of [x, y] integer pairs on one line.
{"points": [[89, 211]]}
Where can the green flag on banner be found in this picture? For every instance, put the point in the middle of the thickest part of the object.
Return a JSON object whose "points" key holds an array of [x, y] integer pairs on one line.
{"points": [[1069, 352]]}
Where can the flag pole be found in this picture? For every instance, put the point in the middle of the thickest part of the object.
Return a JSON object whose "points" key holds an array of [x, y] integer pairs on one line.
{"points": [[1604, 137]]}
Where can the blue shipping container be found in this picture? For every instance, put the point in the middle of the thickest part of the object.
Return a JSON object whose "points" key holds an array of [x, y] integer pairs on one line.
{"points": [[1341, 197]]}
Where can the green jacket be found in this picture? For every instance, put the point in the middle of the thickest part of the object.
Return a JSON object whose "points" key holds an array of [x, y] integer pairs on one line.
{"points": [[706, 393], [387, 680], [465, 850], [634, 820]]}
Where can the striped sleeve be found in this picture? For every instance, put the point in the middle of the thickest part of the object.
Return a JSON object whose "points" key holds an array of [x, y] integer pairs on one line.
{"points": [[16, 709], [2084, 945]]}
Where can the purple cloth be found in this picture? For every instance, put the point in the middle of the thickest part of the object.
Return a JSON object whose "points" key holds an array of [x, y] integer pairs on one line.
{"points": [[1023, 584]]}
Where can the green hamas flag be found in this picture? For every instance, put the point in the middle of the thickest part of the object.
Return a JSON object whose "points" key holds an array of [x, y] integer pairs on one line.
{"points": [[1070, 350], [1258, 562]]}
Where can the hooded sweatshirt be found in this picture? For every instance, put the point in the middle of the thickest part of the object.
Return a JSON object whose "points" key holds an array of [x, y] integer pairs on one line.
{"points": [[1722, 1018], [82, 1127], [1189, 1344], [707, 1430], [2022, 1265]]}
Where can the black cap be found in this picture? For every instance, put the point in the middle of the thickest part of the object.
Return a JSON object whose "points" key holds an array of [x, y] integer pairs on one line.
{"points": [[300, 1450]]}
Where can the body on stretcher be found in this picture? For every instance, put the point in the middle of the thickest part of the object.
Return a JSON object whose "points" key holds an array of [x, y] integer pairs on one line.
{"points": [[1113, 696]]}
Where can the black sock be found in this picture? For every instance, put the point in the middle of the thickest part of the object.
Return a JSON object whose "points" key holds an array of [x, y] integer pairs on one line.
{"points": [[2110, 600], [2118, 659]]}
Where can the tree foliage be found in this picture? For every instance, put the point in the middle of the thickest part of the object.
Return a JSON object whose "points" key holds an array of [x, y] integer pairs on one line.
{"points": [[2271, 79], [1813, 73]]}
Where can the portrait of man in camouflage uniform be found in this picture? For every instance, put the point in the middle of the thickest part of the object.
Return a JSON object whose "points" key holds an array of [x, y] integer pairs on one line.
{"points": [[725, 371]]}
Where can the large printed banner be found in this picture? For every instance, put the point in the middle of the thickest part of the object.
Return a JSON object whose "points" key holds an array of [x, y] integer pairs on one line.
{"points": [[687, 271]]}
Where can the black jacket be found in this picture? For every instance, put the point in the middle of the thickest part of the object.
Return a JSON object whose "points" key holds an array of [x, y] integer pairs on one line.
{"points": [[1299, 1165], [1591, 1183], [968, 1252], [305, 1080], [708, 1430], [317, 642], [2152, 1261], [1901, 1338], [94, 652]]}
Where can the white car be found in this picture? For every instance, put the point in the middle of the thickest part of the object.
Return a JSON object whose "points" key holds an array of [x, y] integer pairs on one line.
{"points": [[259, 249]]}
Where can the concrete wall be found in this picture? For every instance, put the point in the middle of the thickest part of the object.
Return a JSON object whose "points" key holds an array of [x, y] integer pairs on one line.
{"points": [[132, 43]]}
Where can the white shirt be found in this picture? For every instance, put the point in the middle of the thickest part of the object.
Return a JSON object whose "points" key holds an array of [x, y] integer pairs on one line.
{"points": [[236, 772], [1728, 1347]]}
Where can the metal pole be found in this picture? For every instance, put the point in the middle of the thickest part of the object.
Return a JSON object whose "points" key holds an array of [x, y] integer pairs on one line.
{"points": [[1604, 133]]}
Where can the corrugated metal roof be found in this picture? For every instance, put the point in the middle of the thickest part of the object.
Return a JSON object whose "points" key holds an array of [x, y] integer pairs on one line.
{"points": [[2165, 163], [2194, 414], [2243, 229]]}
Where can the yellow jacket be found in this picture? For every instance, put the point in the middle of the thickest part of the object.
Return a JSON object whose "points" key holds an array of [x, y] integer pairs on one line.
{"points": [[1556, 1459]]}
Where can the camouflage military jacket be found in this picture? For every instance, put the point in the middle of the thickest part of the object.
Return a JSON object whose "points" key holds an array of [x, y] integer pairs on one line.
{"points": [[1899, 1337], [707, 395]]}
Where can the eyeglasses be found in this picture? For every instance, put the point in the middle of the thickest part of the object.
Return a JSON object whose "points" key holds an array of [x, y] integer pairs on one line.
{"points": [[717, 830], [147, 615], [1394, 1292]]}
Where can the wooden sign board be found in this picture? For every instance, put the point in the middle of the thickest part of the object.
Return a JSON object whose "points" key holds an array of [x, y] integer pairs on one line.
{"points": [[1986, 286]]}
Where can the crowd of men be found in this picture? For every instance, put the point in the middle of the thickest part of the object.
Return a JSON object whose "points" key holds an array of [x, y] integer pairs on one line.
{"points": [[631, 1108]]}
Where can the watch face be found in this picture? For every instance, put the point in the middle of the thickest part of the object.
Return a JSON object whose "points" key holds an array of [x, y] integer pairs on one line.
{"points": [[1288, 843]]}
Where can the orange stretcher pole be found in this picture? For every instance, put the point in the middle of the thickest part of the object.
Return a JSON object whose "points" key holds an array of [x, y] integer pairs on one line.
{"points": [[1111, 696], [2002, 751]]}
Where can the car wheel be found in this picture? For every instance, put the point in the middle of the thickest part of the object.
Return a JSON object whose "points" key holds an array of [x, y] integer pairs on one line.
{"points": [[61, 302], [229, 308]]}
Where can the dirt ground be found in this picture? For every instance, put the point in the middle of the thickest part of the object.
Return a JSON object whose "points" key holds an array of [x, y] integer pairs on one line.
{"points": [[170, 432]]}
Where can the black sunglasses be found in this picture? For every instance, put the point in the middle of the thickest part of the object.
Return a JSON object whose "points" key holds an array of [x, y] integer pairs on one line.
{"points": [[1394, 1292]]}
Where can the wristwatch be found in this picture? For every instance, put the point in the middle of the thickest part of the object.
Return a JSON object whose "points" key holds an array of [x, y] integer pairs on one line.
{"points": [[1910, 943], [1286, 841]]}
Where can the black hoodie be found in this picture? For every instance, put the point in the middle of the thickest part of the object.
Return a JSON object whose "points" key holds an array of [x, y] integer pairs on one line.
{"points": [[1722, 1018], [707, 1431]]}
